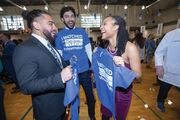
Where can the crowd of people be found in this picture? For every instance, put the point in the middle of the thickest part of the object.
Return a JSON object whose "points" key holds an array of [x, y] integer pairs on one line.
{"points": [[40, 65], [7, 72]]}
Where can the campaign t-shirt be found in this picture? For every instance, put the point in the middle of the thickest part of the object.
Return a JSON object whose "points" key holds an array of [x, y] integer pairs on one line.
{"points": [[73, 42], [108, 76]]}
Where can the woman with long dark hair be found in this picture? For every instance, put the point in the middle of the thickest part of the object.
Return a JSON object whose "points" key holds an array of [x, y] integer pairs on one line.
{"points": [[125, 53]]}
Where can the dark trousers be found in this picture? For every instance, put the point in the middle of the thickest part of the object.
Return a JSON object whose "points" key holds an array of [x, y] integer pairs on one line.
{"points": [[85, 81], [2, 112], [163, 91]]}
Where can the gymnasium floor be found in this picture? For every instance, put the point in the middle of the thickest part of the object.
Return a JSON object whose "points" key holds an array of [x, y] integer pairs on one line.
{"points": [[18, 106]]}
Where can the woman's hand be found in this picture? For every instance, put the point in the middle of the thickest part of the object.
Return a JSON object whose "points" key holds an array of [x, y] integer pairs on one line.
{"points": [[118, 60]]}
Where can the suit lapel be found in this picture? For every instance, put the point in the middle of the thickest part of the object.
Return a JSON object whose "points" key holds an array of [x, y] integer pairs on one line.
{"points": [[43, 48]]}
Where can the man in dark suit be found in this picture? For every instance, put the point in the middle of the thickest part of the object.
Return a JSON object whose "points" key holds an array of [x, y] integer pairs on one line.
{"points": [[40, 70]]}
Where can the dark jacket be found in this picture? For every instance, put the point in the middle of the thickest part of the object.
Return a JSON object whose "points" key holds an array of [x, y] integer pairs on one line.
{"points": [[38, 74], [8, 50]]}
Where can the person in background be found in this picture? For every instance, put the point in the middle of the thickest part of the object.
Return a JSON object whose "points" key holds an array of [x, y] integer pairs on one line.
{"points": [[15, 41], [71, 41], [125, 53], [19, 41], [7, 54], [150, 47], [2, 111], [139, 41], [167, 65], [41, 72], [159, 40]]}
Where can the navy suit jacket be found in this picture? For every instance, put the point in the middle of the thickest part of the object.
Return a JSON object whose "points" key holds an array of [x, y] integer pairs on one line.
{"points": [[38, 74]]}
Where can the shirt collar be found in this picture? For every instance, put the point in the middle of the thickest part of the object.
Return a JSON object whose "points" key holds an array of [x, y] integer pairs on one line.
{"points": [[68, 28], [41, 39]]}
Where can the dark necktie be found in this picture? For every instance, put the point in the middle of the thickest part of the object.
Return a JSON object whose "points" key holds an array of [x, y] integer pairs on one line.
{"points": [[54, 54]]}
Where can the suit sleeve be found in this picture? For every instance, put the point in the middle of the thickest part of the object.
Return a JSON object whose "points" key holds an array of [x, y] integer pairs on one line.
{"points": [[27, 71]]}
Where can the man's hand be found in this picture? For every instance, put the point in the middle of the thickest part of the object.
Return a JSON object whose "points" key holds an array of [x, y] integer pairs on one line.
{"points": [[66, 73], [160, 71]]}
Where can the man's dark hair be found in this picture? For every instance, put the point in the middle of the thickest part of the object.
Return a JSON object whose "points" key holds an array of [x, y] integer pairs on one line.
{"points": [[30, 16], [66, 9]]}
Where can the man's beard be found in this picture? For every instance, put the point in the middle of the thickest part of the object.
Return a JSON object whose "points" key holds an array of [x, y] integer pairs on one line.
{"points": [[49, 37]]}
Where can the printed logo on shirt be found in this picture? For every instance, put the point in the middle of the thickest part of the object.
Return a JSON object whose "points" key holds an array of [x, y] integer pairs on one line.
{"points": [[73, 42], [105, 74]]}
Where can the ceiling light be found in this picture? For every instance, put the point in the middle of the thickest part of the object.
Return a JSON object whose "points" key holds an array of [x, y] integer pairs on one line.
{"points": [[106, 7], [24, 8], [1, 9], [125, 7], [85, 7], [143, 7], [46, 7]]}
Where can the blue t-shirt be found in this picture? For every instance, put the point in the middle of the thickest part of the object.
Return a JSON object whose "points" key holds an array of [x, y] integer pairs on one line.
{"points": [[72, 42], [72, 92], [108, 76]]}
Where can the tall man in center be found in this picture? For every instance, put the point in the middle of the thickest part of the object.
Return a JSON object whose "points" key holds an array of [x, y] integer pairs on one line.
{"points": [[71, 41]]}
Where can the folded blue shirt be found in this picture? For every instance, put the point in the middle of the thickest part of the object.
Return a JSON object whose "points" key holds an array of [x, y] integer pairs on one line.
{"points": [[108, 76], [72, 92]]}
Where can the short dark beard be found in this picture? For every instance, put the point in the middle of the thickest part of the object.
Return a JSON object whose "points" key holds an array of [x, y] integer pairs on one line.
{"points": [[49, 37]]}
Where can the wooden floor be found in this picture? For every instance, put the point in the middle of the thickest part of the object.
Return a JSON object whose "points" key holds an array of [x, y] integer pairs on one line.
{"points": [[18, 106]]}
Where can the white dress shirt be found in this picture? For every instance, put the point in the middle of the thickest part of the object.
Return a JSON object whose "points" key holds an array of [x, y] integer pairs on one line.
{"points": [[167, 55]]}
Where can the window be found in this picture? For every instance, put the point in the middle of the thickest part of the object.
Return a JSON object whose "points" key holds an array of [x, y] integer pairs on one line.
{"points": [[90, 20], [11, 22]]}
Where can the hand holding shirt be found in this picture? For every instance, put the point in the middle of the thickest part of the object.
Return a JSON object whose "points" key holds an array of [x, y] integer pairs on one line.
{"points": [[108, 76]]}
